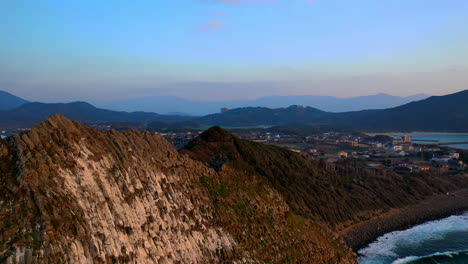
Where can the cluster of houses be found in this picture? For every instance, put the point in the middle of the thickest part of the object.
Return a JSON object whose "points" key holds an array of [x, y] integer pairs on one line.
{"points": [[450, 161], [402, 148], [400, 155]]}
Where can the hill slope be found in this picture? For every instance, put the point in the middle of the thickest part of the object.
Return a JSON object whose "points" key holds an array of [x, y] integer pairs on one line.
{"points": [[337, 195], [9, 101], [436, 113], [71, 194]]}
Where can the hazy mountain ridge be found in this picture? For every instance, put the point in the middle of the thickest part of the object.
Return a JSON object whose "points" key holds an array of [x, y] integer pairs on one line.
{"points": [[167, 104], [257, 116], [436, 113], [9, 101], [29, 114], [447, 113]]}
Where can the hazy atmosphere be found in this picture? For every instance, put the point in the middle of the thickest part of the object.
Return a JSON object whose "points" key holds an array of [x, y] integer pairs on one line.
{"points": [[212, 50]]}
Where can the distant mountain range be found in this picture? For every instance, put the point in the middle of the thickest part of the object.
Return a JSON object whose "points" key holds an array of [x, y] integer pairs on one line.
{"points": [[262, 116], [171, 104], [9, 101], [437, 113], [31, 113]]}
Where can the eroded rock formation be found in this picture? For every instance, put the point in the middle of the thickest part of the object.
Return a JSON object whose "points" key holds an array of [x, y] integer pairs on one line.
{"points": [[70, 194]]}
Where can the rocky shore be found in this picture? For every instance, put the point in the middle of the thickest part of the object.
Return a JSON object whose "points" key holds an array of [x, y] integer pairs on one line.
{"points": [[435, 207]]}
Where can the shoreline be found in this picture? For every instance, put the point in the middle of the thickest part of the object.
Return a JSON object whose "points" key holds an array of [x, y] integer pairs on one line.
{"points": [[433, 208], [422, 133]]}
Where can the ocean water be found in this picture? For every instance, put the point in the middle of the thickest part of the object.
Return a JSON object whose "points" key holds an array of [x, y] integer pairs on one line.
{"points": [[443, 138], [442, 241]]}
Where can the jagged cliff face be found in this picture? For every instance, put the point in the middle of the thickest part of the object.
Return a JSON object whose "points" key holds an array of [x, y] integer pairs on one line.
{"points": [[70, 194]]}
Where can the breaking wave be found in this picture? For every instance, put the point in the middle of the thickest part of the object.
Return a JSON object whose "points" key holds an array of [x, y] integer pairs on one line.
{"points": [[422, 244], [459, 257]]}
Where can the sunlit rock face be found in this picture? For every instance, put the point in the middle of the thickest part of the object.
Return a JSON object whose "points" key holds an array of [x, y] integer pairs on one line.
{"points": [[70, 194]]}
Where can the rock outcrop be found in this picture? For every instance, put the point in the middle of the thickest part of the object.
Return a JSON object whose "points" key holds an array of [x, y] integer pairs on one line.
{"points": [[70, 194]]}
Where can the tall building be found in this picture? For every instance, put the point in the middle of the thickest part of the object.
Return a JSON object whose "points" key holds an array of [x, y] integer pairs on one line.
{"points": [[407, 138]]}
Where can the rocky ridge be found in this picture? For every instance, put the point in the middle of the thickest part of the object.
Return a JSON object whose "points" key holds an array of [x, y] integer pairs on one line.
{"points": [[71, 194]]}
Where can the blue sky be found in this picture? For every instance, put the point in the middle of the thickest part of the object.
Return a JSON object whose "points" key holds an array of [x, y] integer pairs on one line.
{"points": [[55, 50]]}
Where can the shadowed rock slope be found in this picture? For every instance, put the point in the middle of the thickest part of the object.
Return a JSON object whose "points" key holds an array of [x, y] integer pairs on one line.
{"points": [[337, 195], [71, 194]]}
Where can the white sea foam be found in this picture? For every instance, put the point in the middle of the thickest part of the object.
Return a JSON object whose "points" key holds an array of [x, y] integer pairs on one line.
{"points": [[449, 254], [384, 246], [404, 260]]}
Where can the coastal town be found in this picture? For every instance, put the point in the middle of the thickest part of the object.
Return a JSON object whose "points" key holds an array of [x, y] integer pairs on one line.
{"points": [[402, 155], [399, 154]]}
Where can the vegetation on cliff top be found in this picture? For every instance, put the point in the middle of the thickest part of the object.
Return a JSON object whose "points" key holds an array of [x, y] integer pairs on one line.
{"points": [[337, 195]]}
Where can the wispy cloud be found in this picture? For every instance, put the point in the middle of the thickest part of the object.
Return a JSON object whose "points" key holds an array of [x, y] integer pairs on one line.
{"points": [[235, 2], [244, 1], [209, 26], [214, 25]]}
